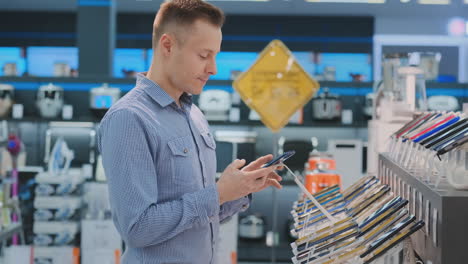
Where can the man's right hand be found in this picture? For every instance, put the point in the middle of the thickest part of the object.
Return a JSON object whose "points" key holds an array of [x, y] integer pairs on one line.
{"points": [[235, 183]]}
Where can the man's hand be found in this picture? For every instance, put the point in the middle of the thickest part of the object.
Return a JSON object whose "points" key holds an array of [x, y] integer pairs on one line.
{"points": [[236, 183], [273, 178]]}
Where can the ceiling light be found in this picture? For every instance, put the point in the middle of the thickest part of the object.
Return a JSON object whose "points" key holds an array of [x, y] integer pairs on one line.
{"points": [[349, 1], [238, 0], [434, 2]]}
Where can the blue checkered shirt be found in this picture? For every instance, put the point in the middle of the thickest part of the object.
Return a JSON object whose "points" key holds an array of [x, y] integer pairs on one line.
{"points": [[160, 164]]}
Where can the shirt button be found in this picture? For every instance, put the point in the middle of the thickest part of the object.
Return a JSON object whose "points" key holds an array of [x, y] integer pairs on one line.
{"points": [[185, 150], [245, 206]]}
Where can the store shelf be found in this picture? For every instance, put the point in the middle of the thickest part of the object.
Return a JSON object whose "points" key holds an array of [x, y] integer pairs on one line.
{"points": [[443, 209], [10, 231], [336, 124], [248, 123]]}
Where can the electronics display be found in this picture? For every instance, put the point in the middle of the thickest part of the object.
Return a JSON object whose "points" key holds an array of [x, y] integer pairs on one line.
{"points": [[41, 61], [129, 62], [12, 61]]}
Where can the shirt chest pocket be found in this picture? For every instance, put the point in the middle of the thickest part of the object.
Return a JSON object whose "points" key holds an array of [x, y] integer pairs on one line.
{"points": [[210, 155], [183, 163], [182, 147], [209, 140]]}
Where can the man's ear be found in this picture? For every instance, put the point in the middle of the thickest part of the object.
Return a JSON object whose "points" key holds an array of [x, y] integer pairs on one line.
{"points": [[166, 42]]}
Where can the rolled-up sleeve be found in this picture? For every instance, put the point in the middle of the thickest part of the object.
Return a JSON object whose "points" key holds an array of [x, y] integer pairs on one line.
{"points": [[126, 148]]}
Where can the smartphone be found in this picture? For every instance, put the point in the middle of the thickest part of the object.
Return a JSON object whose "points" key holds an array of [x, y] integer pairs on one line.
{"points": [[458, 141], [280, 159], [406, 232], [458, 124], [437, 129], [388, 235], [446, 136], [450, 140]]}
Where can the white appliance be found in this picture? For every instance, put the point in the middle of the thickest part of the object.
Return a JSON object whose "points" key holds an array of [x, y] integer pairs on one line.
{"points": [[100, 241], [227, 241], [442, 103], [62, 69], [400, 94], [6, 99], [49, 100], [102, 98], [348, 155], [215, 104], [10, 69], [60, 158]]}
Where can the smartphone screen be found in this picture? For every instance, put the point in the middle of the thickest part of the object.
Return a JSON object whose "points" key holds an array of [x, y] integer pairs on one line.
{"points": [[280, 159]]}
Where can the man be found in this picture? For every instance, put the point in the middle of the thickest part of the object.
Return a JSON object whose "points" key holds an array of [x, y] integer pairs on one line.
{"points": [[158, 153]]}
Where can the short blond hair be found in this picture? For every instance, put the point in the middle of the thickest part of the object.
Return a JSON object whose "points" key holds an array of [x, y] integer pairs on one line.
{"points": [[183, 13]]}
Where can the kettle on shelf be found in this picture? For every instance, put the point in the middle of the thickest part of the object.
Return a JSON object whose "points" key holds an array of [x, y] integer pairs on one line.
{"points": [[102, 98]]}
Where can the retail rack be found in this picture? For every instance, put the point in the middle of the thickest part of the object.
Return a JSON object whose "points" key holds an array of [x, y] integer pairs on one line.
{"points": [[444, 238]]}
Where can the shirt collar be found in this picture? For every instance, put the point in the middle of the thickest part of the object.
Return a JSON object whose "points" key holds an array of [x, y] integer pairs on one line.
{"points": [[157, 93]]}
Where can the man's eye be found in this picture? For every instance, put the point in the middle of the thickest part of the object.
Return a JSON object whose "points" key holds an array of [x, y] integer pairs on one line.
{"points": [[203, 57]]}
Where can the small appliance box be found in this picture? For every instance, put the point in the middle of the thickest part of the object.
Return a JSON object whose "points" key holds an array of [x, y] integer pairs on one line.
{"points": [[100, 242]]}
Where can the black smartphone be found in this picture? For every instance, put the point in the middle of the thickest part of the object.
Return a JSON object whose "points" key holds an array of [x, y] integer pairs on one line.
{"points": [[388, 235], [458, 141], [377, 213], [420, 124], [446, 136], [450, 140], [393, 242], [444, 131], [280, 159], [411, 124]]}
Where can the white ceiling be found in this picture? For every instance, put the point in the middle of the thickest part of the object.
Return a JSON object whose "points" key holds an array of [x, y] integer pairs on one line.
{"points": [[393, 8]]}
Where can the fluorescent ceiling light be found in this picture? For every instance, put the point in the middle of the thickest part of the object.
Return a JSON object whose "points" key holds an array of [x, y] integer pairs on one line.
{"points": [[349, 1], [238, 0], [434, 2]]}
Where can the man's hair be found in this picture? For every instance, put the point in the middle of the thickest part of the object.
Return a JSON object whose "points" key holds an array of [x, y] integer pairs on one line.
{"points": [[182, 14]]}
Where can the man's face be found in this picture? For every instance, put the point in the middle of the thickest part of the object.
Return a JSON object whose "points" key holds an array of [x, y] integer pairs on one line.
{"points": [[193, 61]]}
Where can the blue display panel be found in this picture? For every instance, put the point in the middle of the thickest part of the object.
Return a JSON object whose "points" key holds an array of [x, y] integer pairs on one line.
{"points": [[306, 60], [345, 65], [41, 60], [227, 62], [103, 101], [12, 55], [127, 62], [231, 63]]}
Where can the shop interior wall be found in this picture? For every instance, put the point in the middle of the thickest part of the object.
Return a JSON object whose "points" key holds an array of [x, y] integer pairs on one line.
{"points": [[134, 32]]}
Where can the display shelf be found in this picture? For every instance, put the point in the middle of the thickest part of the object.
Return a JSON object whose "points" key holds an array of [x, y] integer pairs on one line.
{"points": [[248, 123], [445, 236], [10, 231], [305, 124]]}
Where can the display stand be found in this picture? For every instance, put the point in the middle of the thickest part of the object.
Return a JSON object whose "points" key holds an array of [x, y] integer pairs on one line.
{"points": [[444, 238]]}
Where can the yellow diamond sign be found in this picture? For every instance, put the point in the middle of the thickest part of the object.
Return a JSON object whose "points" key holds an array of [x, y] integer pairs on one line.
{"points": [[275, 86]]}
